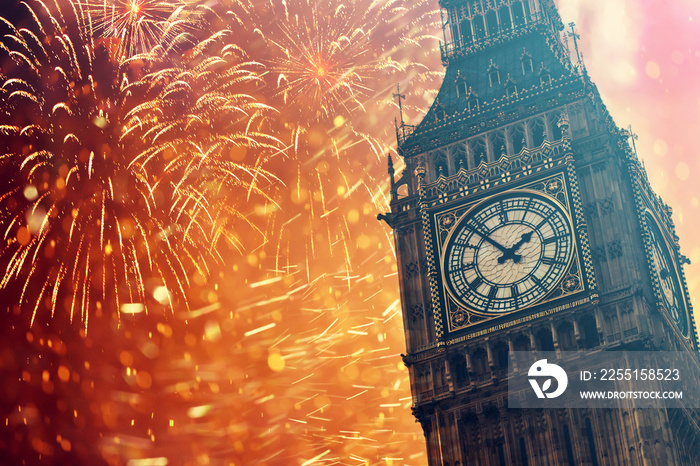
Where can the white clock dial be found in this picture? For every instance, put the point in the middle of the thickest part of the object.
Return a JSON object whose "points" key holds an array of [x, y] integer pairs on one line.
{"points": [[666, 274], [508, 252]]}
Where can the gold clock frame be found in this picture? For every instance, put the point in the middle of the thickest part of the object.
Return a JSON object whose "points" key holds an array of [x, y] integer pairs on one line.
{"points": [[555, 187]]}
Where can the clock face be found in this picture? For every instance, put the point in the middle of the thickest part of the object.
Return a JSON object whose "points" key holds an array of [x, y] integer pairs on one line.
{"points": [[508, 252], [666, 274]]}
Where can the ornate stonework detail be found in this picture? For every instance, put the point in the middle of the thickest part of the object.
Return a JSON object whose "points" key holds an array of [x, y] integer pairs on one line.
{"points": [[430, 256], [411, 270], [598, 254], [614, 249], [572, 283], [447, 222], [424, 266], [416, 312], [404, 231], [606, 206], [590, 210]]}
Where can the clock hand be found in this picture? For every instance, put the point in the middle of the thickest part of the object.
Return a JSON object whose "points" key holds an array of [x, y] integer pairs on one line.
{"points": [[503, 249], [510, 253], [488, 239]]}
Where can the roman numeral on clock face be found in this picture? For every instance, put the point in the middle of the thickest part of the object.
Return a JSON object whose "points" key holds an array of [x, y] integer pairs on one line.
{"points": [[492, 292], [476, 283], [502, 213], [551, 261], [526, 209], [551, 239], [539, 283]]}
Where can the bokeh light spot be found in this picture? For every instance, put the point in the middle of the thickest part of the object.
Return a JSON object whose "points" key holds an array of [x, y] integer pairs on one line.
{"points": [[63, 374], [653, 70], [682, 171], [144, 379], [276, 362], [23, 236], [31, 193], [660, 147]]}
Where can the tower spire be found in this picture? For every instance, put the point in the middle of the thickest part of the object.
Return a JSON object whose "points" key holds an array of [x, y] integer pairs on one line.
{"points": [[576, 37], [400, 98], [398, 95]]}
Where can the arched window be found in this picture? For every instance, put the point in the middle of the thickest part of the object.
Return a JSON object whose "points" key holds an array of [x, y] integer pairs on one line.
{"points": [[504, 17], [479, 364], [458, 154], [626, 319], [501, 455], [516, 134], [538, 132], [462, 89], [544, 339], [423, 385], [589, 328], [517, 13], [465, 29], [492, 22], [545, 77], [511, 89], [565, 335], [523, 452], [526, 64], [497, 140], [501, 352], [591, 442], [473, 103], [477, 148], [569, 447], [478, 27], [521, 343], [454, 28], [494, 76], [440, 164], [459, 366], [526, 11], [554, 125]]}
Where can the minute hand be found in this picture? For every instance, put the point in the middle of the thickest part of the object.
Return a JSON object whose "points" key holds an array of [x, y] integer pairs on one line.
{"points": [[488, 239]]}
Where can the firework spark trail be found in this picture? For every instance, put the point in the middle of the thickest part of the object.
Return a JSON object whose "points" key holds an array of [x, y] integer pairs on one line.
{"points": [[139, 25], [225, 160], [118, 173], [332, 68], [322, 55]]}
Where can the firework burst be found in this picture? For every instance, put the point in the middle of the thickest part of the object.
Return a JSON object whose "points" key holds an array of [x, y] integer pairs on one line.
{"points": [[323, 56], [139, 25], [209, 138], [332, 68], [117, 176]]}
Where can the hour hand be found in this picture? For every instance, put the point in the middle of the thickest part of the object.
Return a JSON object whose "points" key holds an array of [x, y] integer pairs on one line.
{"points": [[510, 253]]}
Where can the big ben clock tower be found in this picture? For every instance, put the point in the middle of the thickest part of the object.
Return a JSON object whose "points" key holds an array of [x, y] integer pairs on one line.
{"points": [[524, 221]]}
